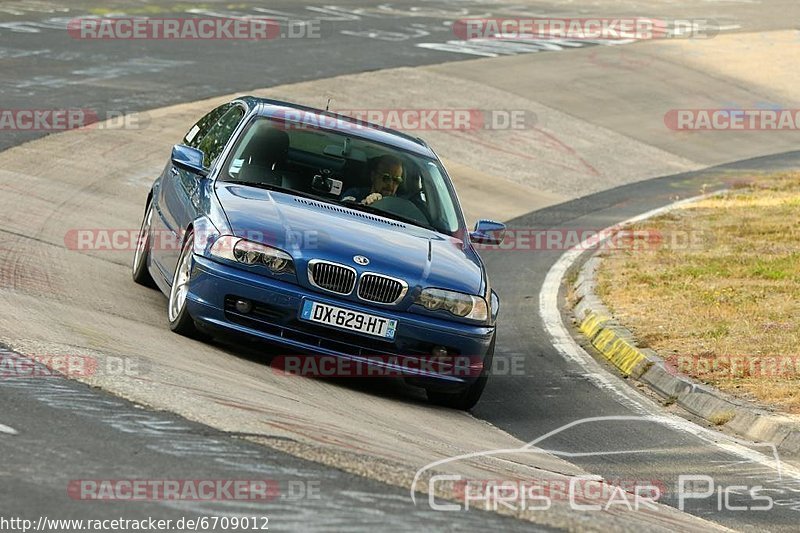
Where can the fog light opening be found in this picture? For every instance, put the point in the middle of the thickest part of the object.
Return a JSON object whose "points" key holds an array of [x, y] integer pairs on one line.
{"points": [[244, 306], [439, 352]]}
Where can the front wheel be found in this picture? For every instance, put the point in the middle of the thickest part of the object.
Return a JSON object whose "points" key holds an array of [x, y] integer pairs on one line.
{"points": [[180, 321], [141, 257], [466, 399]]}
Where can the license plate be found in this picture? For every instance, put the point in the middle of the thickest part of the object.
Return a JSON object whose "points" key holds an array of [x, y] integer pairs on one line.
{"points": [[347, 319]]}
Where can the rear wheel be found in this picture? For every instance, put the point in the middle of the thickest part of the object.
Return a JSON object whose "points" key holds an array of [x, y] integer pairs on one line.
{"points": [[180, 321], [466, 399], [141, 257]]}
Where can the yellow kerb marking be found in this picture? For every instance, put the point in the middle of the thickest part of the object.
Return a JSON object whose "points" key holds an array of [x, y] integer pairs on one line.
{"points": [[621, 353]]}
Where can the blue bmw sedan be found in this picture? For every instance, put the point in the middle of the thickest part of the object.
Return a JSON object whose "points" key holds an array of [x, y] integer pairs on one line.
{"points": [[324, 235]]}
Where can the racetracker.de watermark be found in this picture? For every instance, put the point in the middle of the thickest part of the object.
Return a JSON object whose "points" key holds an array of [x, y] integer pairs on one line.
{"points": [[56, 120], [559, 239], [127, 239], [767, 367], [15, 366], [733, 119], [577, 29], [190, 29], [204, 490], [392, 366], [427, 119]]}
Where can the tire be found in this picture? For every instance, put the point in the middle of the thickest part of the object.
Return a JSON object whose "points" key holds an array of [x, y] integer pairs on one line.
{"points": [[141, 256], [466, 399], [180, 321]]}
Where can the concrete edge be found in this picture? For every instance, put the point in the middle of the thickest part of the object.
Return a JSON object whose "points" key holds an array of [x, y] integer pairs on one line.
{"points": [[617, 344]]}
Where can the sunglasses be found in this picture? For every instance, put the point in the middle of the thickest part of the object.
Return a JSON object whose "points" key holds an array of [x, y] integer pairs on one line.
{"points": [[388, 177]]}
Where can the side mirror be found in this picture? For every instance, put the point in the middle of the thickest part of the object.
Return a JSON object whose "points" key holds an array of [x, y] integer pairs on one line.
{"points": [[189, 158], [488, 232]]}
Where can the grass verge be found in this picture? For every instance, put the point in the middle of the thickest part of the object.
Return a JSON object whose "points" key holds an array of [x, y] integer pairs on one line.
{"points": [[714, 288]]}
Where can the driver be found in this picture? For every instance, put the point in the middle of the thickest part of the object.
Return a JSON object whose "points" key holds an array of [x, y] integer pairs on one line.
{"points": [[386, 175]]}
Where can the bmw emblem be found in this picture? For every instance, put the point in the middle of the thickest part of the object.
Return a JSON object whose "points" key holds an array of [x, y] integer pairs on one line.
{"points": [[361, 260]]}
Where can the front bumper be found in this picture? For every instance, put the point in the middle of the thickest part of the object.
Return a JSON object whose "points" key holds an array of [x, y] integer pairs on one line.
{"points": [[275, 318]]}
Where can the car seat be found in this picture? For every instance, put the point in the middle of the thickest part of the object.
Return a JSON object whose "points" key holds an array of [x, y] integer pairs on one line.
{"points": [[265, 157]]}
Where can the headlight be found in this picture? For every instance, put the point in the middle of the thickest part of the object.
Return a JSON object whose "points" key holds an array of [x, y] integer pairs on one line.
{"points": [[459, 304], [252, 253]]}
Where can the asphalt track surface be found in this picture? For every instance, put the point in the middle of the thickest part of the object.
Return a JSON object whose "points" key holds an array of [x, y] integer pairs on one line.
{"points": [[48, 68], [43, 64], [69, 432]]}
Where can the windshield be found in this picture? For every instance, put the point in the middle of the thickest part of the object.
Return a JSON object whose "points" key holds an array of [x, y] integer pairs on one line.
{"points": [[342, 168]]}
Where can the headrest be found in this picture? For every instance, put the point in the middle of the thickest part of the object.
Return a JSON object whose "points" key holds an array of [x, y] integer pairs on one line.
{"points": [[268, 145]]}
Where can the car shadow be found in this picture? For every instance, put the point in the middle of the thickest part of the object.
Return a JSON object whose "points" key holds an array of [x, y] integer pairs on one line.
{"points": [[262, 352]]}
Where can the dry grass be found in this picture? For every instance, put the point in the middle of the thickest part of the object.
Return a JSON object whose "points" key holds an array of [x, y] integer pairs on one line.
{"points": [[718, 296]]}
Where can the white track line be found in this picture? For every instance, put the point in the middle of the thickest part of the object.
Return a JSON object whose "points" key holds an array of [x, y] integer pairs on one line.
{"points": [[8, 430], [623, 393]]}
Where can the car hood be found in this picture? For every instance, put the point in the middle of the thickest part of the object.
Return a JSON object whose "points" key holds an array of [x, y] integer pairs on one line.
{"points": [[309, 229]]}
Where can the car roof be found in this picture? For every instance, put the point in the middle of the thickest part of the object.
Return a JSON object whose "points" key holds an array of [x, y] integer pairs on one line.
{"points": [[338, 123]]}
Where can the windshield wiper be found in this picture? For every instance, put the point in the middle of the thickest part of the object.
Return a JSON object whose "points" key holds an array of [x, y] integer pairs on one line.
{"points": [[258, 185]]}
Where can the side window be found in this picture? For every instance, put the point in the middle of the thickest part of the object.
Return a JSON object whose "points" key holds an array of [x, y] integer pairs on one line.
{"points": [[200, 130], [220, 133]]}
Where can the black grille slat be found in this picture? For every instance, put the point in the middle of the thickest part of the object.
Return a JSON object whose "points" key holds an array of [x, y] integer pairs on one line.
{"points": [[325, 276], [333, 277], [380, 289], [384, 290]]}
